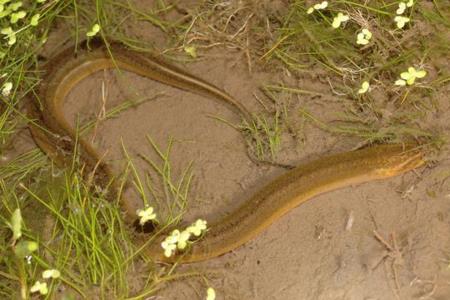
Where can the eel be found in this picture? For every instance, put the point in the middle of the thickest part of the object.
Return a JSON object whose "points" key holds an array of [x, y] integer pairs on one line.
{"points": [[57, 138]]}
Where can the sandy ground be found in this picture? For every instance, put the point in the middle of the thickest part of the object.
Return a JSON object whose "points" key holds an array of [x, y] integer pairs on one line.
{"points": [[380, 240]]}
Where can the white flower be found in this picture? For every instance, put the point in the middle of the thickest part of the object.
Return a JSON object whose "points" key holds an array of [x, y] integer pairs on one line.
{"points": [[94, 30], [340, 18], [318, 6], [174, 236], [51, 273], [197, 228], [364, 87], [210, 294], [170, 243], [401, 21], [183, 239], [39, 287], [363, 37], [6, 88], [401, 8], [410, 3], [400, 82], [169, 248], [145, 215]]}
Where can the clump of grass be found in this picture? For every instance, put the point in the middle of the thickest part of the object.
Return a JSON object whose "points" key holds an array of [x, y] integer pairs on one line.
{"points": [[82, 234], [264, 136], [168, 194], [364, 54]]}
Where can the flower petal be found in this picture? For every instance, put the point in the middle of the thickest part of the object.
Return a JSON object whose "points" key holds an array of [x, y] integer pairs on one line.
{"points": [[400, 82], [421, 74]]}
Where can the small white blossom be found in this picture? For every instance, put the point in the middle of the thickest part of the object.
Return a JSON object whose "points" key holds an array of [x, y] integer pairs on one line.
{"points": [[183, 239], [364, 87], [363, 37], [6, 89], [400, 82], [198, 227], [146, 215], [401, 8], [169, 248], [210, 294], [401, 21], [318, 6], [39, 287], [51, 273], [339, 19], [170, 243]]}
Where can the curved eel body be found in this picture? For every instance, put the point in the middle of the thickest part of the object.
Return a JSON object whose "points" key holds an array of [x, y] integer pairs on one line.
{"points": [[57, 138]]}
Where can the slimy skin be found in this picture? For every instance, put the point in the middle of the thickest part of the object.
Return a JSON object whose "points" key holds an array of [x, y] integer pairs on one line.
{"points": [[56, 137]]}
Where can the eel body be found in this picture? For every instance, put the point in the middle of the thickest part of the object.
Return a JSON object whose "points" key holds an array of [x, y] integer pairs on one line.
{"points": [[55, 136]]}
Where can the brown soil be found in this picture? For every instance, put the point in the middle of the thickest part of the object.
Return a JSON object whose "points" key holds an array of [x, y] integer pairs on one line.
{"points": [[380, 240]]}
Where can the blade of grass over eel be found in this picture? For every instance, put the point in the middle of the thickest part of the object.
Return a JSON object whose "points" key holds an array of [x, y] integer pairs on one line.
{"points": [[56, 137]]}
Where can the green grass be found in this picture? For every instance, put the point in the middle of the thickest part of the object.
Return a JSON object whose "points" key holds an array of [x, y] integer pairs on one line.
{"points": [[169, 194]]}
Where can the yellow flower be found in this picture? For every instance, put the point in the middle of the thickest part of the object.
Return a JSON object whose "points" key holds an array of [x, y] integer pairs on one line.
{"points": [[409, 77], [94, 30], [15, 6], [10, 34], [17, 16], [35, 20], [340, 18]]}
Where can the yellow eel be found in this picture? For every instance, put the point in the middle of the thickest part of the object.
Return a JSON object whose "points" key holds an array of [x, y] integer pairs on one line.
{"points": [[55, 136]]}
